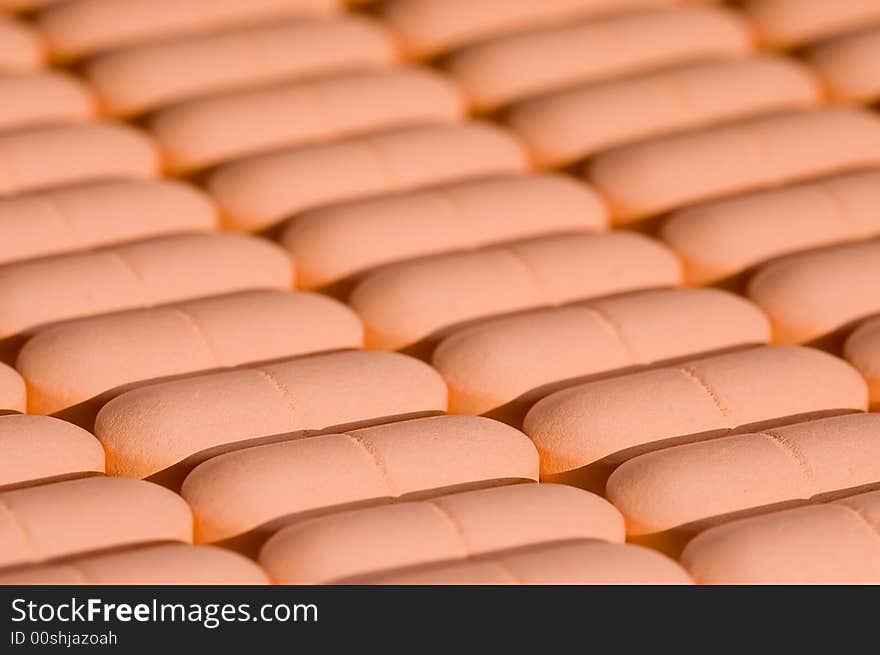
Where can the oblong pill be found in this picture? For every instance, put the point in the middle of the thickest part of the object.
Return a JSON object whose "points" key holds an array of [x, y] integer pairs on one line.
{"points": [[255, 193], [77, 516], [42, 98], [13, 393], [835, 544], [523, 65], [21, 48], [848, 66], [576, 563], [725, 237], [84, 27], [862, 350], [583, 425], [165, 269], [163, 564], [152, 428], [39, 447], [443, 528], [565, 127], [237, 492], [648, 178], [95, 214], [407, 302], [141, 78], [790, 23], [812, 294], [335, 242], [429, 27], [209, 131], [671, 488], [500, 361], [78, 360], [53, 156]]}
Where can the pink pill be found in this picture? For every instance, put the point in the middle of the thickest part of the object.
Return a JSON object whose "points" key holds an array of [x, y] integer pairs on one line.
{"points": [[848, 66], [862, 350], [790, 23], [516, 67], [332, 243], [208, 131], [36, 448], [43, 98], [255, 193], [238, 492], [13, 395], [21, 48]]}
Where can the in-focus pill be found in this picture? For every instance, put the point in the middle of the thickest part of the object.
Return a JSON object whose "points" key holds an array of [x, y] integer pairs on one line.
{"points": [[209, 131], [501, 361], [444, 528], [600, 421], [862, 350], [13, 393], [565, 127], [671, 488], [820, 544], [430, 27], [21, 48], [812, 294], [140, 78], [78, 360], [722, 238], [332, 243], [237, 492], [43, 98], [162, 564], [143, 273], [848, 66], [78, 516], [589, 562], [95, 214], [152, 428], [257, 192], [523, 65], [647, 178], [404, 303], [57, 155], [39, 447], [83, 27], [791, 23]]}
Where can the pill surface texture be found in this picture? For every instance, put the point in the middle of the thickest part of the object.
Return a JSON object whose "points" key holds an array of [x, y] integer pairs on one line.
{"points": [[43, 97], [21, 48]]}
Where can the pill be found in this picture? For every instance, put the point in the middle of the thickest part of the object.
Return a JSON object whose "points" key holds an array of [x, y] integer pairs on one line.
{"points": [[516, 360], [648, 178], [722, 238], [519, 66], [430, 27], [57, 155], [92, 214], [149, 429], [144, 77], [77, 516], [405, 303], [139, 274], [209, 131], [587, 562], [862, 350], [162, 564], [848, 66], [335, 242], [810, 295], [445, 528], [13, 394], [25, 5], [791, 23], [254, 193], [567, 126], [607, 421], [78, 360], [836, 543], [677, 488], [84, 27], [39, 448], [241, 491], [21, 48], [41, 98]]}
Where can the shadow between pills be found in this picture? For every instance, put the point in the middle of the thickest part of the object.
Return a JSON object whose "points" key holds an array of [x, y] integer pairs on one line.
{"points": [[61, 477]]}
